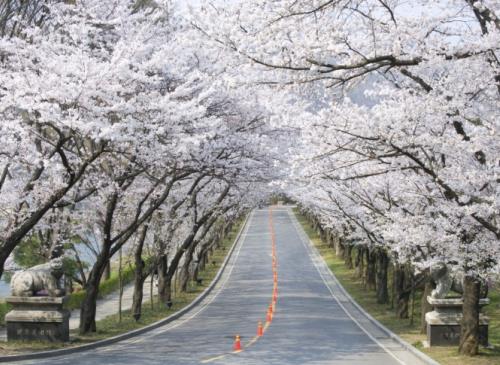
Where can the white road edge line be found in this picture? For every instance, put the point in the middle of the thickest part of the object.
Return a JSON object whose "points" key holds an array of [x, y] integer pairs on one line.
{"points": [[298, 229], [203, 306]]}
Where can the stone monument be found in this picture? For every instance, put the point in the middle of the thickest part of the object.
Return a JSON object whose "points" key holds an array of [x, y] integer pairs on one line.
{"points": [[443, 323], [37, 301]]}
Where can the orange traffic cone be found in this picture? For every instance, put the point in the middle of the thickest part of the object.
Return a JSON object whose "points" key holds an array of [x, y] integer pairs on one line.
{"points": [[260, 329], [269, 316], [237, 343]]}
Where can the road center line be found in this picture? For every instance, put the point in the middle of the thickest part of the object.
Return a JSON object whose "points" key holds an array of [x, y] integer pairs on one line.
{"points": [[272, 307]]}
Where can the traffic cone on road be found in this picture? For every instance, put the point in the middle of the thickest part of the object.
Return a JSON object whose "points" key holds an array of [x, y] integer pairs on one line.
{"points": [[269, 316], [260, 329], [237, 343]]}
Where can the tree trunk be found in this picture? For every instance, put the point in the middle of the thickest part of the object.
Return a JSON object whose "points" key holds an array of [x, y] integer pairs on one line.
{"points": [[469, 337], [120, 286], [401, 294], [184, 278], [314, 224], [321, 233], [107, 271], [151, 283], [358, 262], [188, 257], [223, 232], [370, 282], [185, 270], [164, 282], [382, 266], [218, 240], [202, 257], [140, 276], [412, 291], [328, 238], [348, 256], [88, 308], [138, 296], [196, 271], [364, 258], [203, 260], [89, 304], [339, 247], [168, 291], [425, 306]]}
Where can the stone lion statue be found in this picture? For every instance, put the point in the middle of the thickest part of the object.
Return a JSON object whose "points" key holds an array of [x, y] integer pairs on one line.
{"points": [[448, 279], [43, 278]]}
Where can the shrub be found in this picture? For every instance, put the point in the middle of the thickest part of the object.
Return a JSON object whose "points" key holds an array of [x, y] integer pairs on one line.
{"points": [[106, 287], [4, 308]]}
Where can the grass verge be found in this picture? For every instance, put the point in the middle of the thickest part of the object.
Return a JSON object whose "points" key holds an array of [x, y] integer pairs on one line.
{"points": [[106, 287], [405, 328], [151, 311], [4, 308]]}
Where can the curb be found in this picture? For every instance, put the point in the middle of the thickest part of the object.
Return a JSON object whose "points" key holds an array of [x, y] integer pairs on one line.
{"points": [[134, 333], [425, 358]]}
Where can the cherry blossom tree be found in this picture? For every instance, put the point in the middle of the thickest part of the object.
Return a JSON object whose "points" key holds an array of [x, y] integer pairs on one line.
{"points": [[402, 121], [106, 112]]}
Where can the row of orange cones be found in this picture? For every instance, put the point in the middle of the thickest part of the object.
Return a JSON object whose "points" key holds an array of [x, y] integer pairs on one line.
{"points": [[272, 306], [260, 327]]}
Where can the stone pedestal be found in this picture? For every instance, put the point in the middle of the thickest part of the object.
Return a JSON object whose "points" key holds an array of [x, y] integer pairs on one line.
{"points": [[37, 318], [443, 323]]}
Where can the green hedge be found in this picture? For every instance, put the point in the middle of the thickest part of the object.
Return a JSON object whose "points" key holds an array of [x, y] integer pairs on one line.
{"points": [[106, 287], [4, 308]]}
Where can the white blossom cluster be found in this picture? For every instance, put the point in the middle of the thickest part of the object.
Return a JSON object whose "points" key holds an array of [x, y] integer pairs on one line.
{"points": [[111, 111], [396, 108]]}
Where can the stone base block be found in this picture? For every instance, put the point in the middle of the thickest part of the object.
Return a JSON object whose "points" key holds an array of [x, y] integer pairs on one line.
{"points": [[37, 318], [443, 323], [38, 331], [449, 335]]}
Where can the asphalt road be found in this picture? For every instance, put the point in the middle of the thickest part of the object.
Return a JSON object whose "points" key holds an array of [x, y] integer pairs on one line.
{"points": [[314, 322]]}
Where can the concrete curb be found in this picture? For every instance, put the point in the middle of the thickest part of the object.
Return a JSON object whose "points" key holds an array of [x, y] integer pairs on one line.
{"points": [[134, 333], [384, 329]]}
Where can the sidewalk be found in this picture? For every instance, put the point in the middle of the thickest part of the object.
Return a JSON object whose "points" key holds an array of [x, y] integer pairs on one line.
{"points": [[105, 306]]}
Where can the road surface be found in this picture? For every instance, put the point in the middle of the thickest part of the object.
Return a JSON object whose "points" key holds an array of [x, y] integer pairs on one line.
{"points": [[313, 322]]}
